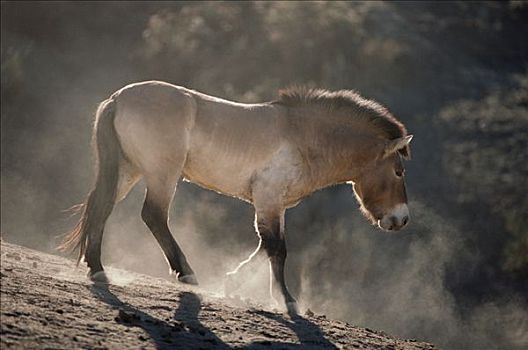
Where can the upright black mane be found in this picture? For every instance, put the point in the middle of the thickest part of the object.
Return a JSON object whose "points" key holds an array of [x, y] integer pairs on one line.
{"points": [[359, 107]]}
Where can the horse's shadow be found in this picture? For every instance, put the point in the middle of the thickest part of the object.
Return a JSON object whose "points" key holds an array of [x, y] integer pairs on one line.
{"points": [[186, 330], [308, 333], [183, 331]]}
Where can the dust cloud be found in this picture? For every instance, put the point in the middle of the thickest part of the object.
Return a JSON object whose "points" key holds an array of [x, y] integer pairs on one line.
{"points": [[341, 267]]}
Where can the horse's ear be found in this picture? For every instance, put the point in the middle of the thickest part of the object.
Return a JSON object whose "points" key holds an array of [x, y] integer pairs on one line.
{"points": [[398, 144]]}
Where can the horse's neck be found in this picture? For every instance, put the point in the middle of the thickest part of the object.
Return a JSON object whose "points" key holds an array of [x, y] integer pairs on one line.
{"points": [[339, 153], [341, 168]]}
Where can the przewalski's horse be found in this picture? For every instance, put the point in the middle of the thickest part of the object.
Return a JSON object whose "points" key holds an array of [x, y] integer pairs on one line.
{"points": [[271, 155]]}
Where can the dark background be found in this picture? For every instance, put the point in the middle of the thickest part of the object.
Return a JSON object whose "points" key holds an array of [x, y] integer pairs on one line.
{"points": [[454, 72]]}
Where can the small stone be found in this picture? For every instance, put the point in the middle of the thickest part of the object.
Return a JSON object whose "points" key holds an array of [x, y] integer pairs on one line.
{"points": [[309, 313], [126, 316], [35, 265], [15, 256]]}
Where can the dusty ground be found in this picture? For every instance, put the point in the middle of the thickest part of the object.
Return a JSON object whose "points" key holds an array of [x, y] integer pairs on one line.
{"points": [[47, 303]]}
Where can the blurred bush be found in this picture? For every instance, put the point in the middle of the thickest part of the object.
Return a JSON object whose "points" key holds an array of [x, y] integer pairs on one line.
{"points": [[487, 152]]}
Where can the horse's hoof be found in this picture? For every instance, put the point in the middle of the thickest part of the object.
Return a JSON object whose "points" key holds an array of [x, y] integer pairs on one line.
{"points": [[99, 277], [188, 279], [293, 309]]}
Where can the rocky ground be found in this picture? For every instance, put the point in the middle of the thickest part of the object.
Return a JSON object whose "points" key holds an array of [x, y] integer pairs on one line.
{"points": [[47, 303]]}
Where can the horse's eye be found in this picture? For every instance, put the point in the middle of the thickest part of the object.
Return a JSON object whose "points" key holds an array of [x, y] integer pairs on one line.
{"points": [[399, 173]]}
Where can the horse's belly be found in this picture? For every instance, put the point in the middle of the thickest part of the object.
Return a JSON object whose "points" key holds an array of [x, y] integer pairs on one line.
{"points": [[221, 173]]}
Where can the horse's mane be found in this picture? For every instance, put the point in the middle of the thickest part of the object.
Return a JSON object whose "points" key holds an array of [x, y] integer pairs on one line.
{"points": [[361, 108]]}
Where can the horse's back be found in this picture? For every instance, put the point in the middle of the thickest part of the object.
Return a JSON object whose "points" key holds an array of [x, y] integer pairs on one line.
{"points": [[230, 142]]}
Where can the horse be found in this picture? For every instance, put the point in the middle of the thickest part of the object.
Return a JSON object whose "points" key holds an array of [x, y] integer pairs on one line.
{"points": [[271, 155]]}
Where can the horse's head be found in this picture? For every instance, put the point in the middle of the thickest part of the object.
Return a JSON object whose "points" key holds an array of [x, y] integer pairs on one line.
{"points": [[380, 187]]}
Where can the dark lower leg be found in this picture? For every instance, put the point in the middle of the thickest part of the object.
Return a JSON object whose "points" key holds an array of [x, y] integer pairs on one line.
{"points": [[277, 258], [275, 246], [92, 255], [277, 269], [156, 221]]}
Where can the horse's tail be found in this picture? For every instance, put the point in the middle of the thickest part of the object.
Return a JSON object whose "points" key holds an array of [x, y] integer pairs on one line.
{"points": [[101, 199]]}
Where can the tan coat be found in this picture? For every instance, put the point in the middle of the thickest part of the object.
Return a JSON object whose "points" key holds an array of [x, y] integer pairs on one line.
{"points": [[269, 154]]}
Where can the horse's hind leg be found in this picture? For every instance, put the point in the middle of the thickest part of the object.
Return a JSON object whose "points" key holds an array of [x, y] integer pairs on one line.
{"points": [[128, 177], [155, 215]]}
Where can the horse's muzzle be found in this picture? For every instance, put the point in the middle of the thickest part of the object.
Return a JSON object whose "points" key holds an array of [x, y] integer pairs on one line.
{"points": [[396, 219]]}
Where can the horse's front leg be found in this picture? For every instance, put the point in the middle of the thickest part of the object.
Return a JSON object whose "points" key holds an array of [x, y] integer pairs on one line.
{"points": [[271, 231], [270, 188]]}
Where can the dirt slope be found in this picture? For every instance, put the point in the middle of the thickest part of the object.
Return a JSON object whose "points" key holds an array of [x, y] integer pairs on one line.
{"points": [[48, 303]]}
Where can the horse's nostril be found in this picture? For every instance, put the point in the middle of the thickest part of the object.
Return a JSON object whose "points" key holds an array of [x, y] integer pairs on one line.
{"points": [[405, 220]]}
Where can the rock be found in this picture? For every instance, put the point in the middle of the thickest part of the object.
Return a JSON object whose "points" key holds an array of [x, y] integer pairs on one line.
{"points": [[14, 256], [127, 316], [177, 328], [309, 313]]}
